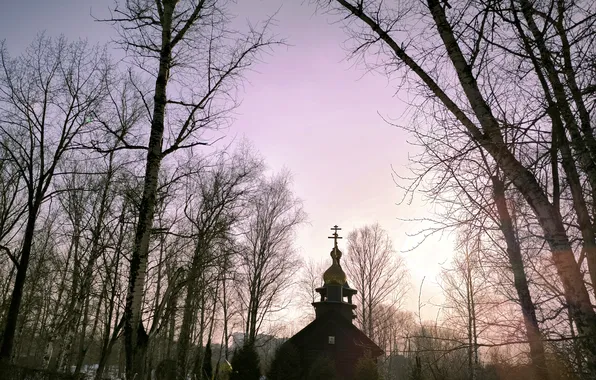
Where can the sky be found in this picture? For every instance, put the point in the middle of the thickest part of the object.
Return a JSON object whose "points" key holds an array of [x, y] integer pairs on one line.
{"points": [[305, 109]]}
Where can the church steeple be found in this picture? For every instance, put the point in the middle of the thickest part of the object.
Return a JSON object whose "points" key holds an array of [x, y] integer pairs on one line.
{"points": [[335, 274], [336, 294]]}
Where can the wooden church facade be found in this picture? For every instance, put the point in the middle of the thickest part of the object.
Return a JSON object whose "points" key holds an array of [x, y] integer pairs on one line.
{"points": [[332, 335]]}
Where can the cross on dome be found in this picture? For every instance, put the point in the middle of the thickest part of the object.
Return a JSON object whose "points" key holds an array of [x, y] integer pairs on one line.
{"points": [[335, 235]]}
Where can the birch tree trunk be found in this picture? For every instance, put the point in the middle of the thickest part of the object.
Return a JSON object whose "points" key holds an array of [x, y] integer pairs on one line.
{"points": [[135, 344]]}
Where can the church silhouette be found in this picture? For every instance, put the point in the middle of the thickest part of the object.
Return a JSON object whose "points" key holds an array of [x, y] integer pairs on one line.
{"points": [[332, 335]]}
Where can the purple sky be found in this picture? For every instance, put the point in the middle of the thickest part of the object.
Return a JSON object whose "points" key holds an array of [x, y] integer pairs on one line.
{"points": [[306, 109]]}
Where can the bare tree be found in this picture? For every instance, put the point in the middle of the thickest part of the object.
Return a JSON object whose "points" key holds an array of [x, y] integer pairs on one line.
{"points": [[472, 201], [12, 209], [12, 205], [47, 97], [310, 278], [267, 261], [462, 65], [377, 272], [393, 334], [188, 43], [439, 352], [216, 201], [464, 287]]}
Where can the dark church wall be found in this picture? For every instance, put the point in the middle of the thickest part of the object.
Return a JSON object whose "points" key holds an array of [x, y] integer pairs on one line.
{"points": [[345, 361], [348, 347]]}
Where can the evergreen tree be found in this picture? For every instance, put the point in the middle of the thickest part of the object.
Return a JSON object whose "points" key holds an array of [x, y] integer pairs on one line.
{"points": [[166, 370], [286, 364], [207, 364], [245, 364], [366, 369], [206, 371]]}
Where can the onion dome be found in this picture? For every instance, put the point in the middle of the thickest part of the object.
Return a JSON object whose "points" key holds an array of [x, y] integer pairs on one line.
{"points": [[335, 275]]}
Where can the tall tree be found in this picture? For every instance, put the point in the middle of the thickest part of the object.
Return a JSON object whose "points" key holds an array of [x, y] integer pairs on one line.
{"points": [[520, 279], [207, 367], [12, 205], [12, 208], [463, 290], [185, 42], [47, 98], [377, 272], [216, 201], [266, 259], [310, 278]]}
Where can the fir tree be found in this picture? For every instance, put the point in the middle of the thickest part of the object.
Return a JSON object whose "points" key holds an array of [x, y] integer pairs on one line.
{"points": [[207, 364], [245, 364], [286, 364]]}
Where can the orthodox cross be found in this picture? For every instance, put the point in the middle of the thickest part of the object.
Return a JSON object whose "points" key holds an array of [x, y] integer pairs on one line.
{"points": [[335, 235]]}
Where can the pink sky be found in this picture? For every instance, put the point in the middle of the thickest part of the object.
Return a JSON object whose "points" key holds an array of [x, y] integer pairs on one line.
{"points": [[305, 109]]}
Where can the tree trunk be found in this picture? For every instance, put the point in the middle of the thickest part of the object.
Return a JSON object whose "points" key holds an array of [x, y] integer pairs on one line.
{"points": [[172, 305], [101, 365], [521, 282], [19, 285], [109, 341], [562, 117], [135, 344], [224, 306], [471, 308], [34, 332], [185, 328], [107, 347], [5, 291], [82, 347]]}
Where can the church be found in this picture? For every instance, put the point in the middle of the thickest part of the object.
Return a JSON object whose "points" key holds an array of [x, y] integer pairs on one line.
{"points": [[332, 334]]}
